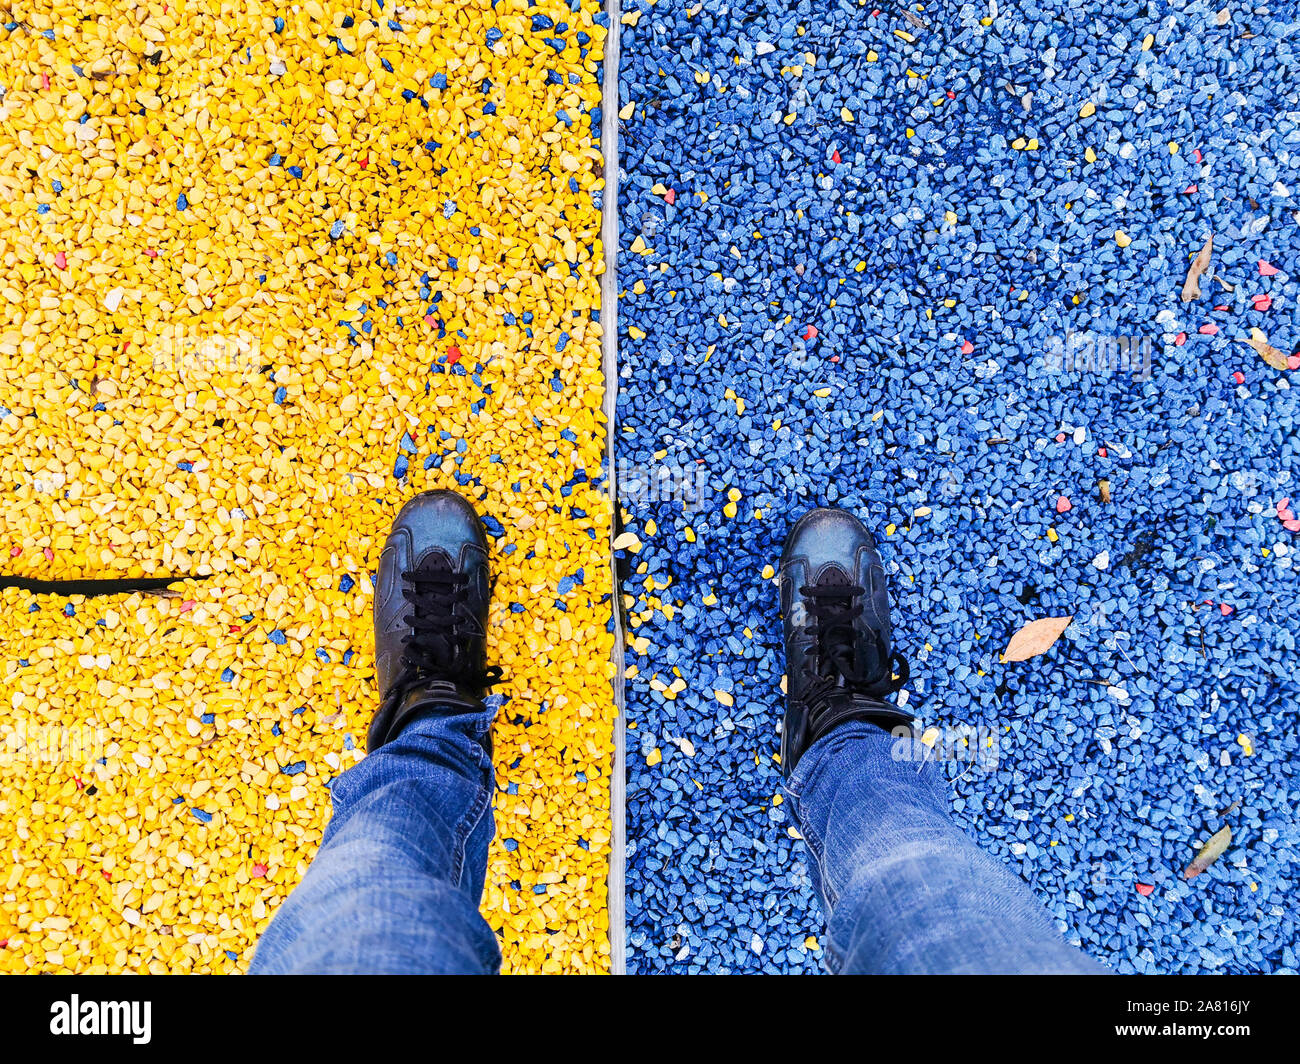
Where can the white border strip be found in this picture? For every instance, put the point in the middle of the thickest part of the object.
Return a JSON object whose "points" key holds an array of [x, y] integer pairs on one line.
{"points": [[609, 364]]}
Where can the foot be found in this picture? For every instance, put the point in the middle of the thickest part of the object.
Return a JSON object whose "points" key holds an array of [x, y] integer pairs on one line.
{"points": [[838, 661], [431, 607]]}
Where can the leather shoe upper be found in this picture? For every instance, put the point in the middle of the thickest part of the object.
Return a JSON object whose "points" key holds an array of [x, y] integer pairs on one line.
{"points": [[430, 610], [835, 610]]}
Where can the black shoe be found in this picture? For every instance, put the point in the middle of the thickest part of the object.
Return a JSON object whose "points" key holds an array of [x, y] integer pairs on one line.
{"points": [[838, 661], [431, 608]]}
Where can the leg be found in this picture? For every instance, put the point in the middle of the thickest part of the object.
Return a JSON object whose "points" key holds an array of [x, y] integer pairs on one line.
{"points": [[905, 890], [395, 887]]}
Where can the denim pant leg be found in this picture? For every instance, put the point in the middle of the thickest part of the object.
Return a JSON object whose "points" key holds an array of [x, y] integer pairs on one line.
{"points": [[905, 890], [396, 884]]}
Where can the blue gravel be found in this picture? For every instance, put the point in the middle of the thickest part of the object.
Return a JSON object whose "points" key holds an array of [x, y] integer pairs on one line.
{"points": [[959, 376]]}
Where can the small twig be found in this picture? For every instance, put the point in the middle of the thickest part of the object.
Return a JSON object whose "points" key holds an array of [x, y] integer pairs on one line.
{"points": [[915, 20]]}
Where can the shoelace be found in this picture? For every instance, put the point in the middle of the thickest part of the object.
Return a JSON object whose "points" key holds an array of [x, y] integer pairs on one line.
{"points": [[441, 625], [842, 663]]}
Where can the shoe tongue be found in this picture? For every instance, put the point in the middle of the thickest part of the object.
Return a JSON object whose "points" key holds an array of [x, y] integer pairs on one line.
{"points": [[845, 637], [832, 574], [435, 562], [435, 574]]}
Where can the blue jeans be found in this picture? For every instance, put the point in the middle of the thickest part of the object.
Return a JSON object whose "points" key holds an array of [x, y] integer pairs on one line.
{"points": [[396, 884], [904, 889]]}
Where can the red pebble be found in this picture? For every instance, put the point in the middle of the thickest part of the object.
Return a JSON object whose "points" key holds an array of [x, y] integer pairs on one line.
{"points": [[1196, 154], [1209, 329], [15, 551], [61, 261], [1266, 269], [365, 162], [835, 157], [1101, 452], [670, 197], [967, 347], [259, 870], [1224, 608], [1221, 306], [1263, 302], [1293, 361], [1145, 889], [453, 355], [45, 81], [152, 253], [1291, 526], [49, 554], [1189, 190], [1239, 377], [1063, 504], [835, 358], [187, 605], [235, 629], [1180, 339], [430, 320], [952, 95], [811, 334], [1060, 437]]}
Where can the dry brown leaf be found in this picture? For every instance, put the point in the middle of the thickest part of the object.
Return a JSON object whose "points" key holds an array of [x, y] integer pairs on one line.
{"points": [[1192, 286], [1210, 852], [1035, 638], [1267, 351]]}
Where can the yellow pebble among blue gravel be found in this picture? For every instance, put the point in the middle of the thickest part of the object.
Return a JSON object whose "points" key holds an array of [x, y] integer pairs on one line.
{"points": [[266, 273]]}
